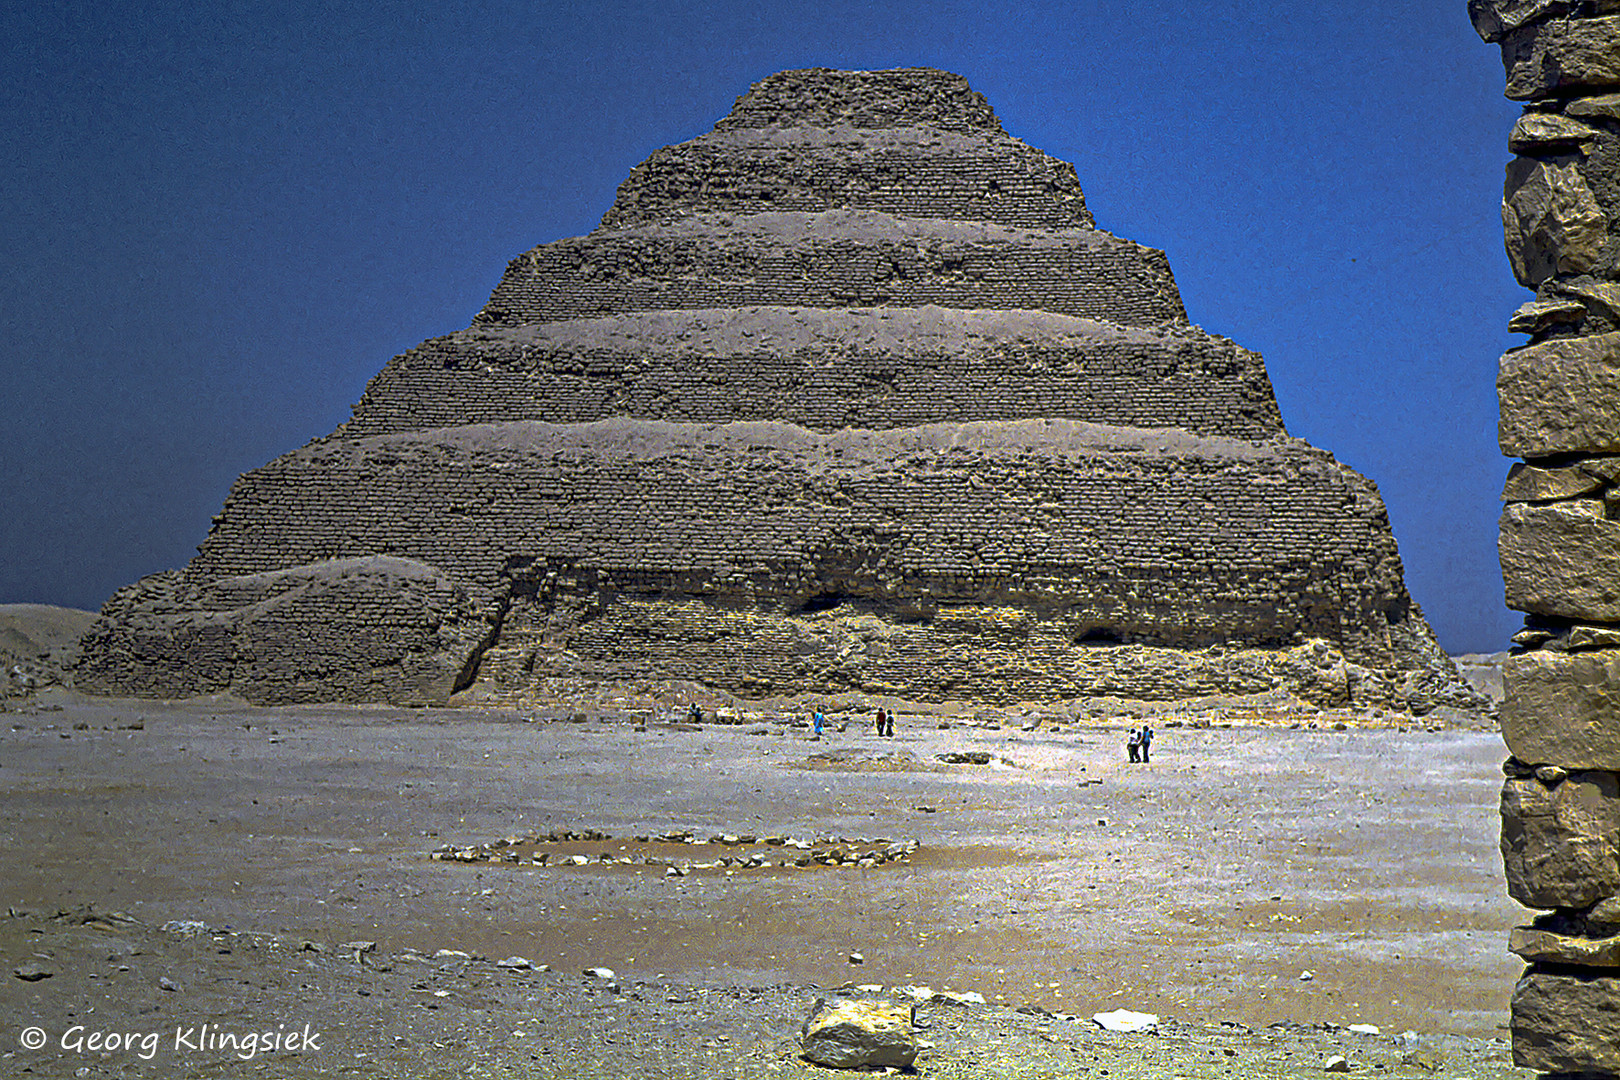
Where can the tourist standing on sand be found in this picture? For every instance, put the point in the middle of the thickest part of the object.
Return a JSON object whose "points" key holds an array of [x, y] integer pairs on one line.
{"points": [[1133, 744], [882, 718], [817, 721], [888, 724], [1147, 741]]}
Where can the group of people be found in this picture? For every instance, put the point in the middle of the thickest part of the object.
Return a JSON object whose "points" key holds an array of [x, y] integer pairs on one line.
{"points": [[1138, 742], [884, 721]]}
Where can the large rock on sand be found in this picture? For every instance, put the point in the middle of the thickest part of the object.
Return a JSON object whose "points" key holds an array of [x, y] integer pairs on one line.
{"points": [[859, 1035]]}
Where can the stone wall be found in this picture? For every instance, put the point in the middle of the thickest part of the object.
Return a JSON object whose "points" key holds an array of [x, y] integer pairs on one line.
{"points": [[1560, 529], [847, 394]]}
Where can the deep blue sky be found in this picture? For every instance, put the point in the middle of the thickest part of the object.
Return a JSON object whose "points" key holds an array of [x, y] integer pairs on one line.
{"points": [[220, 219]]}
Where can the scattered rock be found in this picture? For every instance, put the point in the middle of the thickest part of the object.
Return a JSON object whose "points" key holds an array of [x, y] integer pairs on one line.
{"points": [[599, 972], [1336, 1064], [32, 973], [1424, 1057], [858, 1035], [1126, 1021], [856, 958], [185, 927], [970, 997], [516, 963], [168, 984]]}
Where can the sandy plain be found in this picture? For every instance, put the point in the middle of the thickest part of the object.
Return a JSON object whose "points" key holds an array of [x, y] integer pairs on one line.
{"points": [[1202, 887]]}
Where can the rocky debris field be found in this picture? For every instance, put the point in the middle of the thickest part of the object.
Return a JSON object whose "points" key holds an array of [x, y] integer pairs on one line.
{"points": [[114, 997], [207, 872]]}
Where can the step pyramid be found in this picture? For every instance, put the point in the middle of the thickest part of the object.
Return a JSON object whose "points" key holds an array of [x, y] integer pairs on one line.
{"points": [[846, 395]]}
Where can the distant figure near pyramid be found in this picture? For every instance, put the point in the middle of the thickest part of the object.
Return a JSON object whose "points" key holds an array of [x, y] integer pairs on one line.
{"points": [[848, 394]]}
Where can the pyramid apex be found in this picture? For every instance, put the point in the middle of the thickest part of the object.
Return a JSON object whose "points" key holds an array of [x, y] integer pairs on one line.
{"points": [[898, 97]]}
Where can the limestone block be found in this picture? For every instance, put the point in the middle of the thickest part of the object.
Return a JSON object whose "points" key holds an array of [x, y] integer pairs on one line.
{"points": [[1527, 483], [1549, 133], [1566, 1022], [1561, 396], [1562, 57], [1599, 298], [1561, 842], [1592, 637], [1606, 469], [1602, 107], [1493, 19], [1551, 221], [1539, 315], [1563, 707], [1534, 945], [859, 1035], [1561, 559]]}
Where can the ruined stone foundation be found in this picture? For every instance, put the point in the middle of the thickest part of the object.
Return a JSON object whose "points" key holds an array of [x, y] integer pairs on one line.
{"points": [[848, 394], [1560, 530]]}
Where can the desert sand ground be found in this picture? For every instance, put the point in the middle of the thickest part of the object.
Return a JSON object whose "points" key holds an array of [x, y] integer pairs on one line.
{"points": [[1202, 887]]}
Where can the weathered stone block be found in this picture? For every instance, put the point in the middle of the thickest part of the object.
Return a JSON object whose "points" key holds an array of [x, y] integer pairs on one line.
{"points": [[1539, 315], [1493, 19], [1592, 637], [1604, 106], [1563, 708], [1561, 559], [1561, 57], [1551, 221], [1560, 396], [1566, 1022], [1534, 945], [859, 1035], [1561, 842], [1527, 483], [1549, 133], [1599, 298]]}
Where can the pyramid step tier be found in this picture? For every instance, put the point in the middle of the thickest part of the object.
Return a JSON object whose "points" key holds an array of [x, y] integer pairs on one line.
{"points": [[1139, 535], [837, 259], [825, 369], [907, 172]]}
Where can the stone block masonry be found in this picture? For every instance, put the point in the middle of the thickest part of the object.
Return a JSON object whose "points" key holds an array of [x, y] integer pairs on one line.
{"points": [[848, 394], [1560, 529]]}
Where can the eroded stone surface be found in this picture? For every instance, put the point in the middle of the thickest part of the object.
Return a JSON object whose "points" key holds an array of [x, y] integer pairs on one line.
{"points": [[1495, 18], [859, 1035], [1604, 107], [1560, 397], [1561, 559], [1535, 945], [1527, 483], [1538, 315], [1562, 57], [1563, 708], [1561, 841], [1551, 221], [1567, 1021], [1548, 133]]}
